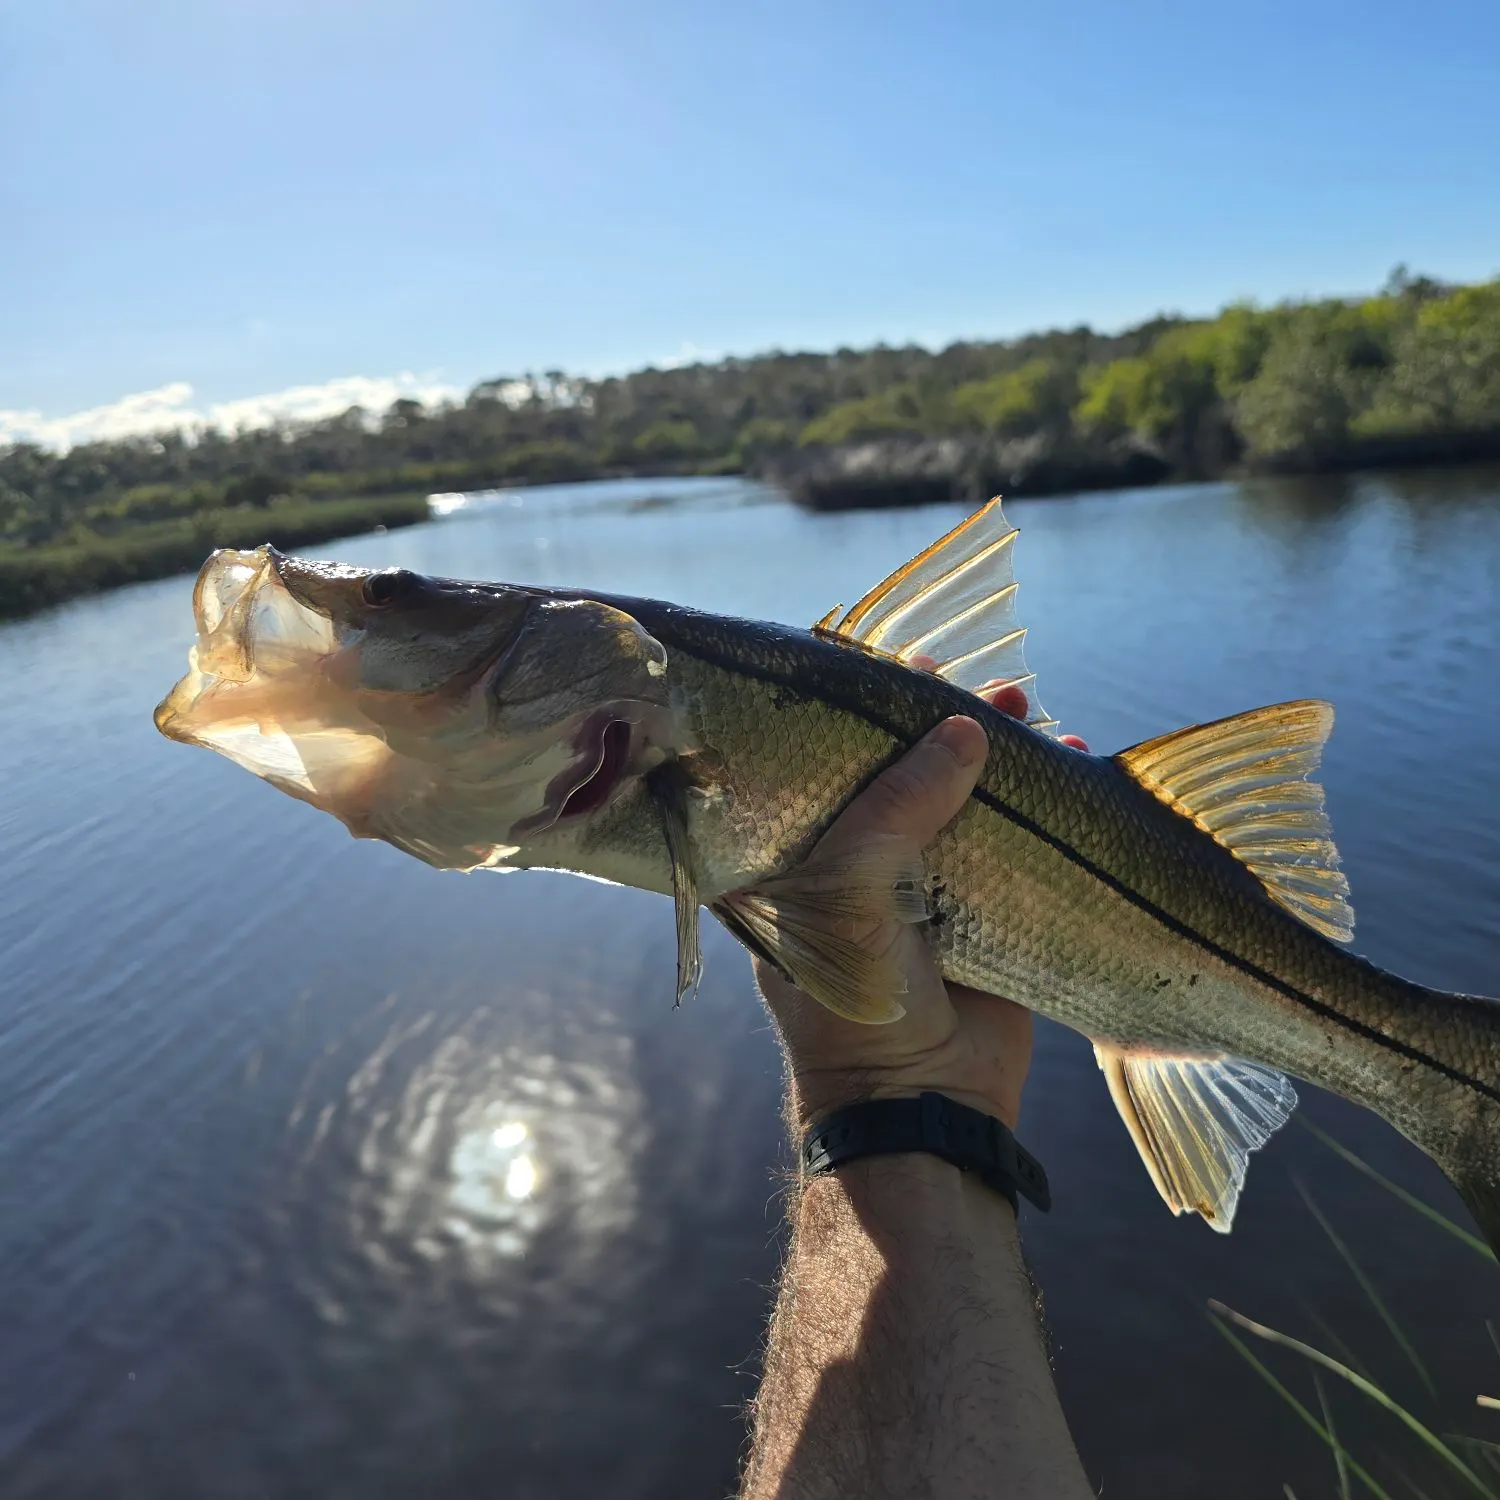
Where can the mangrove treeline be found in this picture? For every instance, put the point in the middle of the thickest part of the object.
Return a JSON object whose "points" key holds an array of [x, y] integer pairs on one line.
{"points": [[1411, 374]]}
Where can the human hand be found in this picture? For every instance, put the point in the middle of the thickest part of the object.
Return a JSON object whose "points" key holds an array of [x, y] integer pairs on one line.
{"points": [[972, 1046]]}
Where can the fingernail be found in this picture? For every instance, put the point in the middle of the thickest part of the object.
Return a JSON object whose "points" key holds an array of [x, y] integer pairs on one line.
{"points": [[963, 739]]}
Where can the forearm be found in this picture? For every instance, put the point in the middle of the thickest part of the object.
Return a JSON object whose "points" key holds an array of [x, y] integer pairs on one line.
{"points": [[905, 1357]]}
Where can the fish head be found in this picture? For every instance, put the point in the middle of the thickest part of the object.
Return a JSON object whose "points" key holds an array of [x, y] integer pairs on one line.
{"points": [[465, 723]]}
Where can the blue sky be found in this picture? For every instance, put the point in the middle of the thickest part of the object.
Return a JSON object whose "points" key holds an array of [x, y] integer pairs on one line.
{"points": [[234, 197]]}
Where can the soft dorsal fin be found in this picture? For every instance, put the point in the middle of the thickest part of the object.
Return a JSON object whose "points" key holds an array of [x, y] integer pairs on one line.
{"points": [[1243, 780], [1195, 1121], [955, 603]]}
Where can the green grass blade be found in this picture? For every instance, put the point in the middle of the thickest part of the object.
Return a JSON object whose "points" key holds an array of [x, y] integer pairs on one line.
{"points": [[1333, 1437], [1410, 1483], [1410, 1199], [1248, 1355], [1368, 1288], [1489, 1452], [1430, 1438], [1333, 1342]]}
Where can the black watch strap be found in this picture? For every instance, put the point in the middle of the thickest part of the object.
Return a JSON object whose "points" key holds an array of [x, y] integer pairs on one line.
{"points": [[937, 1125]]}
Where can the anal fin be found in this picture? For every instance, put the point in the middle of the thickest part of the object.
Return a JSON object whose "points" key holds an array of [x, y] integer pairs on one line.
{"points": [[821, 925], [1195, 1121]]}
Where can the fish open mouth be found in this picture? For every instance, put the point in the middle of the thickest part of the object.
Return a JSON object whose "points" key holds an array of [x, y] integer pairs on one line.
{"points": [[402, 722], [251, 634], [256, 689]]}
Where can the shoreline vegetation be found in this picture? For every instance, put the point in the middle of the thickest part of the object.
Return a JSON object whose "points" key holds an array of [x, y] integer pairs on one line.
{"points": [[1409, 376], [35, 577]]}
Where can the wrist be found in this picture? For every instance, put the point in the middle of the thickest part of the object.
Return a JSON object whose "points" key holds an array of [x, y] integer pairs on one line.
{"points": [[814, 1093], [904, 1202], [935, 1125]]}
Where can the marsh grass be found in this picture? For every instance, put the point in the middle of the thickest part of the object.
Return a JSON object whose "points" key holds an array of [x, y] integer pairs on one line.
{"points": [[1448, 1463]]}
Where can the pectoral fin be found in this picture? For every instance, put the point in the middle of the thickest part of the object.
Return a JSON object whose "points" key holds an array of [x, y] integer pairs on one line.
{"points": [[1195, 1121], [822, 926], [669, 792]]}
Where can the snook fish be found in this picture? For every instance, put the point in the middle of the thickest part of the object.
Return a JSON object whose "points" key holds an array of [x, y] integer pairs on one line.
{"points": [[1179, 903]]}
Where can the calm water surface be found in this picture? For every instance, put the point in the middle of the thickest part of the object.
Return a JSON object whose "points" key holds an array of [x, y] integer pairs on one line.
{"points": [[325, 1174]]}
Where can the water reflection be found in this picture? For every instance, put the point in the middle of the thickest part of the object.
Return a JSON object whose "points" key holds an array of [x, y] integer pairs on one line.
{"points": [[322, 1173], [494, 1177], [463, 1139]]}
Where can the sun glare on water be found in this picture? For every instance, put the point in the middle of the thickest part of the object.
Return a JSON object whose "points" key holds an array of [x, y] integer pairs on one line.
{"points": [[520, 1178]]}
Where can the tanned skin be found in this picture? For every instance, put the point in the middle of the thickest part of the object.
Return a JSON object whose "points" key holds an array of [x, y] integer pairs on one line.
{"points": [[905, 1357]]}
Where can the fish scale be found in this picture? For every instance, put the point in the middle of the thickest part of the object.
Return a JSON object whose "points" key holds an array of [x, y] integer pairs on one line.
{"points": [[1179, 903], [1073, 890]]}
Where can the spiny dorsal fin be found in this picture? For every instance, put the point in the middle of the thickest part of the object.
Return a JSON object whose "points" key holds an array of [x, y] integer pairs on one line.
{"points": [[955, 603], [1195, 1121], [1243, 780]]}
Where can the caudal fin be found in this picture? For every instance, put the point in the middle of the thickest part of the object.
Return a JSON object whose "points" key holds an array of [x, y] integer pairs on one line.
{"points": [[1446, 1097], [1482, 1198], [1459, 1128]]}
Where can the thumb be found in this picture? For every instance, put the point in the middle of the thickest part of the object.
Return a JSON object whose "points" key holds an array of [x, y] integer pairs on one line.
{"points": [[926, 788]]}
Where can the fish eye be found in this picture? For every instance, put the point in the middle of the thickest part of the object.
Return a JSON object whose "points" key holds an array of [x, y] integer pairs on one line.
{"points": [[382, 589]]}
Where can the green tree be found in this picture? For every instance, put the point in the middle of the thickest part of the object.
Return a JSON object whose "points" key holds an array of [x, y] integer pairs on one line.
{"points": [[762, 435], [14, 507], [1299, 402], [1444, 375], [668, 439], [1175, 392], [258, 489], [1165, 395], [1040, 393], [897, 410]]}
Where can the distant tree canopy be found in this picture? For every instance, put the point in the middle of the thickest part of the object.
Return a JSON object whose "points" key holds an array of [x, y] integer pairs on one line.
{"points": [[1039, 394], [1407, 371]]}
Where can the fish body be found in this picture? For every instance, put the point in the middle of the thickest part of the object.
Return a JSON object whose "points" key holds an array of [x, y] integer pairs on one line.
{"points": [[1176, 903], [1063, 884]]}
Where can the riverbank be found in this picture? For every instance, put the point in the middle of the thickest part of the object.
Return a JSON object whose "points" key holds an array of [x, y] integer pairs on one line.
{"points": [[877, 474], [927, 471], [889, 472], [32, 578]]}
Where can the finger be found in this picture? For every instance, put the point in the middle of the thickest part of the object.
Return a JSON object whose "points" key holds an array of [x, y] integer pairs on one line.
{"points": [[1010, 699], [924, 789], [922, 662], [1005, 696]]}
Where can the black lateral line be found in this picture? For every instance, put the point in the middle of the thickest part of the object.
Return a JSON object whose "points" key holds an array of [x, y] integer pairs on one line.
{"points": [[1227, 955], [1136, 898]]}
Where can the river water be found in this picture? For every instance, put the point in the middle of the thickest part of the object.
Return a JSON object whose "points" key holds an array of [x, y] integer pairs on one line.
{"points": [[326, 1174]]}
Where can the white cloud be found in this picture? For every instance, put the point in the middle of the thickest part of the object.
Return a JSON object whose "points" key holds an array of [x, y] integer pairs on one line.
{"points": [[688, 354], [170, 408]]}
